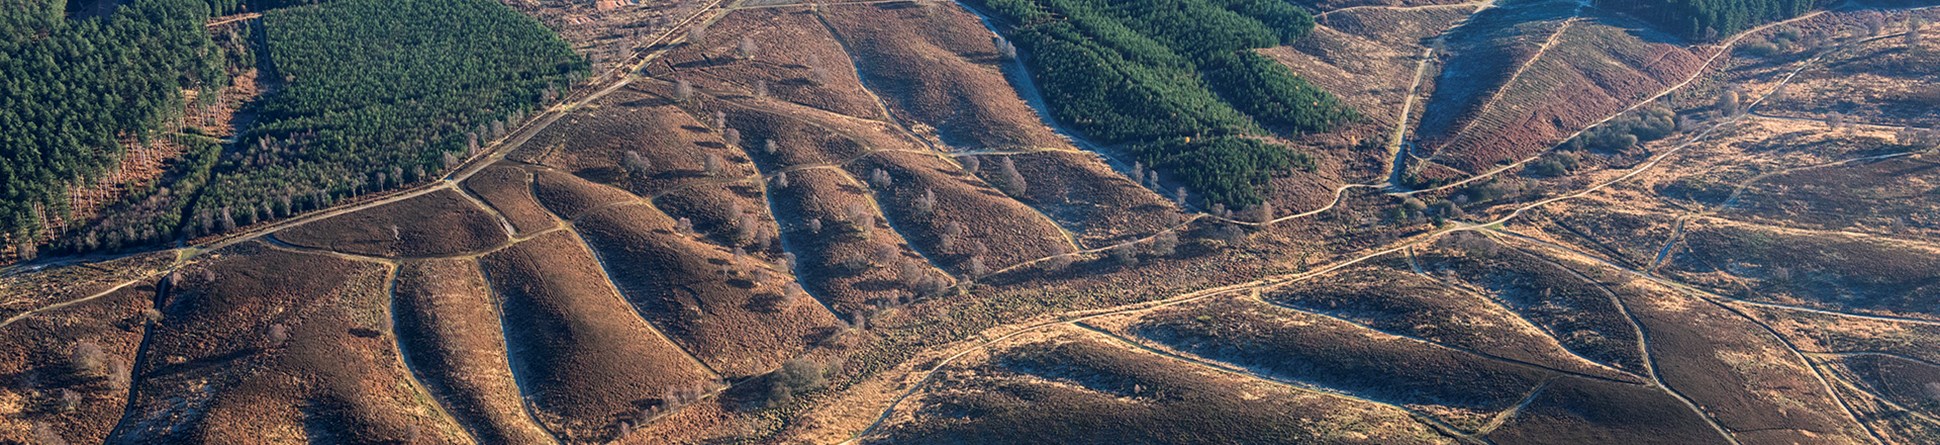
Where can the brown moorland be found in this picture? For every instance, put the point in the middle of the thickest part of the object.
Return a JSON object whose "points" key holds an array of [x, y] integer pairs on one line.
{"points": [[248, 353], [1575, 410], [508, 190], [68, 370], [1073, 387], [449, 325], [1572, 308], [1829, 271], [583, 356], [1461, 388], [938, 67], [27, 291], [1083, 194], [435, 224], [734, 313], [967, 214], [1389, 298], [793, 53], [854, 260], [1749, 380]]}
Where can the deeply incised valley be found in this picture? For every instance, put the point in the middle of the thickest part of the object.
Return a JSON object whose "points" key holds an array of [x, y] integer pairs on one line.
{"points": [[970, 221]]}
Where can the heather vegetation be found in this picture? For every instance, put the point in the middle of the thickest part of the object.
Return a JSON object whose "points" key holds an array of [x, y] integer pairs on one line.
{"points": [[1179, 81]]}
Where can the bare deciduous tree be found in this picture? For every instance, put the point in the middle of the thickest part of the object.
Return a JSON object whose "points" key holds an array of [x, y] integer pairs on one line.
{"points": [[711, 164], [683, 91]]}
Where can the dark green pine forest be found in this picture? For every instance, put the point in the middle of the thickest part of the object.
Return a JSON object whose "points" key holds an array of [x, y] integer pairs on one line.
{"points": [[1709, 19], [1178, 84], [370, 95]]}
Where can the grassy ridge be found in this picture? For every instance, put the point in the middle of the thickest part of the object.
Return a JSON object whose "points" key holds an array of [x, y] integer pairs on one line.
{"points": [[1178, 82]]}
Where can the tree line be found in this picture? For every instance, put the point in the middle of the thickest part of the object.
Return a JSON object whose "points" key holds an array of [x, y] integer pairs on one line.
{"points": [[1709, 19], [1178, 82]]}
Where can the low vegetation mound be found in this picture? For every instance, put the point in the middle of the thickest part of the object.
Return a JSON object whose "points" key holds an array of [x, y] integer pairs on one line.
{"points": [[1751, 382], [1850, 273], [448, 325], [1177, 80], [507, 189], [731, 310], [71, 368], [1461, 387], [248, 353], [585, 359], [1575, 410], [434, 224], [1074, 388]]}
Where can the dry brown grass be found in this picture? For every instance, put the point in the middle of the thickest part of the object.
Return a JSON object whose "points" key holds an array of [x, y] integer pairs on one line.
{"points": [[797, 57], [37, 361], [435, 224], [584, 356], [937, 67], [508, 190], [248, 353], [450, 326]]}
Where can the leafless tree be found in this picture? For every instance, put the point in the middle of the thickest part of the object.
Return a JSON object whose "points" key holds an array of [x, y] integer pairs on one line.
{"points": [[1164, 244], [747, 48], [1179, 195], [881, 178], [815, 225], [1124, 255], [636, 164], [768, 146], [731, 136], [972, 164], [87, 359], [698, 33], [278, 334], [926, 203], [1005, 50], [1009, 179], [711, 164], [781, 180], [974, 267], [683, 91], [952, 231], [761, 88], [684, 226]]}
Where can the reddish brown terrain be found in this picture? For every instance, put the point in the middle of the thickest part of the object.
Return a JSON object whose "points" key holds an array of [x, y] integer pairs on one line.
{"points": [[853, 222]]}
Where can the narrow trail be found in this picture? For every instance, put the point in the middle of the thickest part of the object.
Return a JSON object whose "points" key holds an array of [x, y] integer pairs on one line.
{"points": [[1505, 416], [1889, 403], [1438, 345], [1537, 56], [224, 20], [1719, 301], [1643, 346], [1440, 426], [1397, 164]]}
